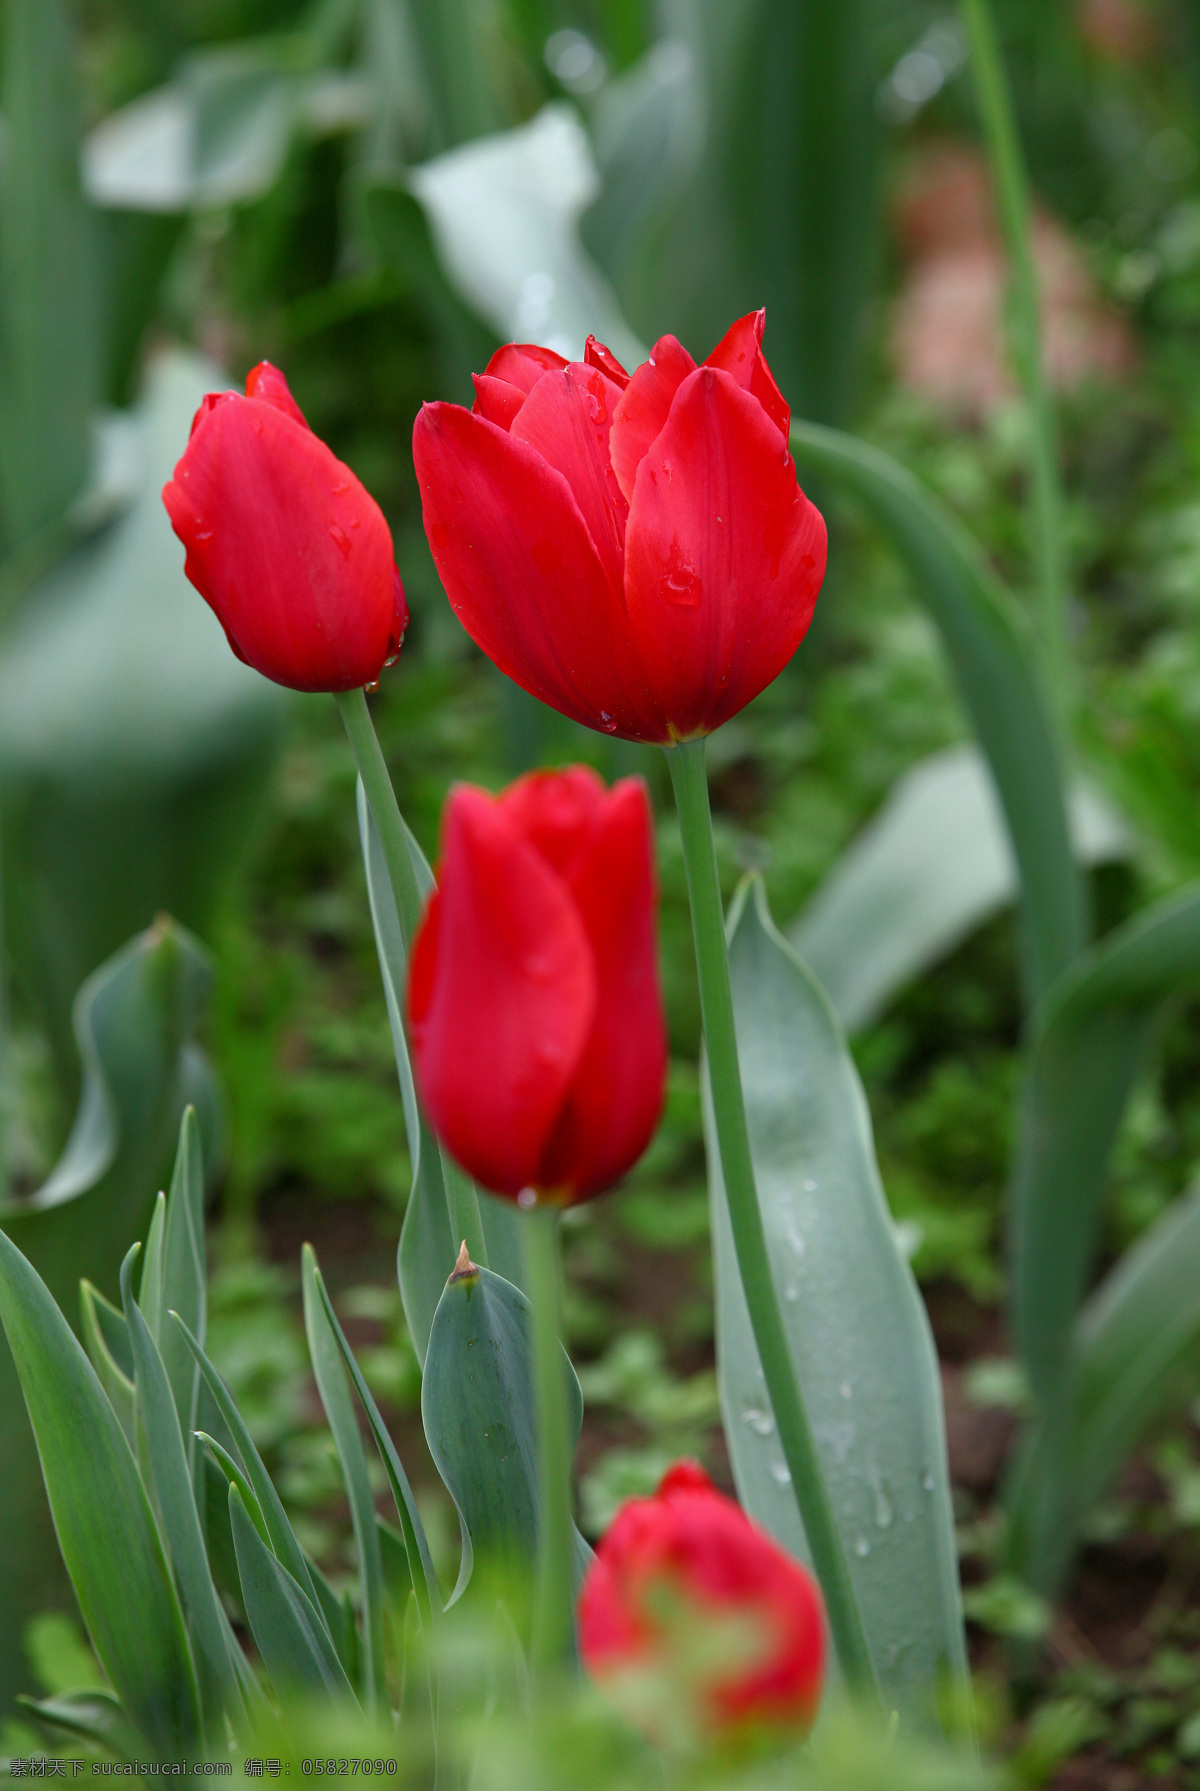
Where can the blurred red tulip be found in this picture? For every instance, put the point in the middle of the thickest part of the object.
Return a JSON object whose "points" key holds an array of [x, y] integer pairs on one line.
{"points": [[284, 543], [635, 551], [695, 1622], [534, 999]]}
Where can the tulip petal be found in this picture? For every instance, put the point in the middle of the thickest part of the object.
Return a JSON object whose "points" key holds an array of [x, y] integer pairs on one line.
{"points": [[522, 364], [645, 406], [501, 997], [597, 355], [268, 384], [567, 418], [497, 400], [724, 555], [558, 812], [617, 1094], [522, 574], [283, 542], [740, 352]]}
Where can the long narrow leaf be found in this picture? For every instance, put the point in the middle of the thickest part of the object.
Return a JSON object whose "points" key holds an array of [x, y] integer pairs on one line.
{"points": [[212, 1639], [105, 1527], [339, 1409], [859, 1337], [989, 647], [1090, 1044], [292, 1639]]}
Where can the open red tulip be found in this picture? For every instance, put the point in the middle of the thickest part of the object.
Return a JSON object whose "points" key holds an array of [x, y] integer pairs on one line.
{"points": [[537, 1020], [696, 1622], [284, 543], [635, 551]]}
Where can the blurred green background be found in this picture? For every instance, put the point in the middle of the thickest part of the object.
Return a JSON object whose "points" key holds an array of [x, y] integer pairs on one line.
{"points": [[372, 193]]}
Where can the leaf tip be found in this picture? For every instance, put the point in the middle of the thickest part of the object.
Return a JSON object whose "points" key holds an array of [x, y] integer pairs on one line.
{"points": [[463, 1268]]}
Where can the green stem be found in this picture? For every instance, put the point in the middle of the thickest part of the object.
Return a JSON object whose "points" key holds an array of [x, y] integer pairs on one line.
{"points": [[724, 1073], [461, 1199], [1025, 330], [553, 1616]]}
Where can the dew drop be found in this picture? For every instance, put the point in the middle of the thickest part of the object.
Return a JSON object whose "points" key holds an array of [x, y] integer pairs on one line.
{"points": [[204, 534], [781, 1473], [927, 1481], [339, 489], [340, 539], [372, 687], [256, 423], [810, 1187], [682, 587], [759, 1421], [791, 1293], [527, 1199], [846, 1390], [607, 723], [862, 1548], [884, 1512], [596, 408]]}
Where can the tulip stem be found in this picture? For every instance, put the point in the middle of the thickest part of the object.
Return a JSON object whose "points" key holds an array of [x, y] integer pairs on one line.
{"points": [[461, 1199], [690, 779], [553, 1614]]}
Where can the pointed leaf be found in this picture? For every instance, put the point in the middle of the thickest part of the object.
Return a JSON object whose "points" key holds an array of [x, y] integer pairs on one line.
{"points": [[91, 1712], [859, 1337], [292, 1639], [102, 1516], [212, 1639], [339, 1409], [478, 1410], [100, 1335]]}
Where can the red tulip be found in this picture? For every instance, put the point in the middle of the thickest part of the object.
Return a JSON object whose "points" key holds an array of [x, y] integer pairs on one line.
{"points": [[696, 1622], [534, 999], [634, 551], [284, 543]]}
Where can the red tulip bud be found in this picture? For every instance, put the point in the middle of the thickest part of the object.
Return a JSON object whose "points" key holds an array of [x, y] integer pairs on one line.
{"points": [[537, 1020], [284, 543], [696, 1623], [635, 551]]}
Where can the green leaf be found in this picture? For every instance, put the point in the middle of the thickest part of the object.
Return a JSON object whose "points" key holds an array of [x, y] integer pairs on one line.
{"points": [[93, 1713], [49, 352], [134, 1023], [213, 1643], [234, 1477], [988, 643], [859, 1337], [1135, 1355], [339, 1409], [477, 1407], [1091, 1038], [426, 1241], [420, 1562], [103, 1341], [931, 867], [184, 1274], [102, 1517], [292, 1639], [134, 747], [279, 1530]]}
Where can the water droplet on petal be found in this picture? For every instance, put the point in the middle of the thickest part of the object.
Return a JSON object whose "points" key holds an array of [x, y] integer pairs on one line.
{"points": [[372, 687], [338, 489], [340, 539], [607, 723], [681, 587]]}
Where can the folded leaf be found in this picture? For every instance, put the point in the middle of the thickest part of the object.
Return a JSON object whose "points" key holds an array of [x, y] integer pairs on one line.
{"points": [[292, 1639]]}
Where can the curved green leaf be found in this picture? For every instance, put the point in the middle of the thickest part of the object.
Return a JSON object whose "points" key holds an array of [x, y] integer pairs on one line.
{"points": [[931, 867], [478, 1410], [102, 1517], [1091, 1038], [339, 1409], [987, 642], [134, 1019], [292, 1639], [93, 1713], [103, 1341], [859, 1337], [1135, 1354], [420, 1561], [212, 1640]]}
